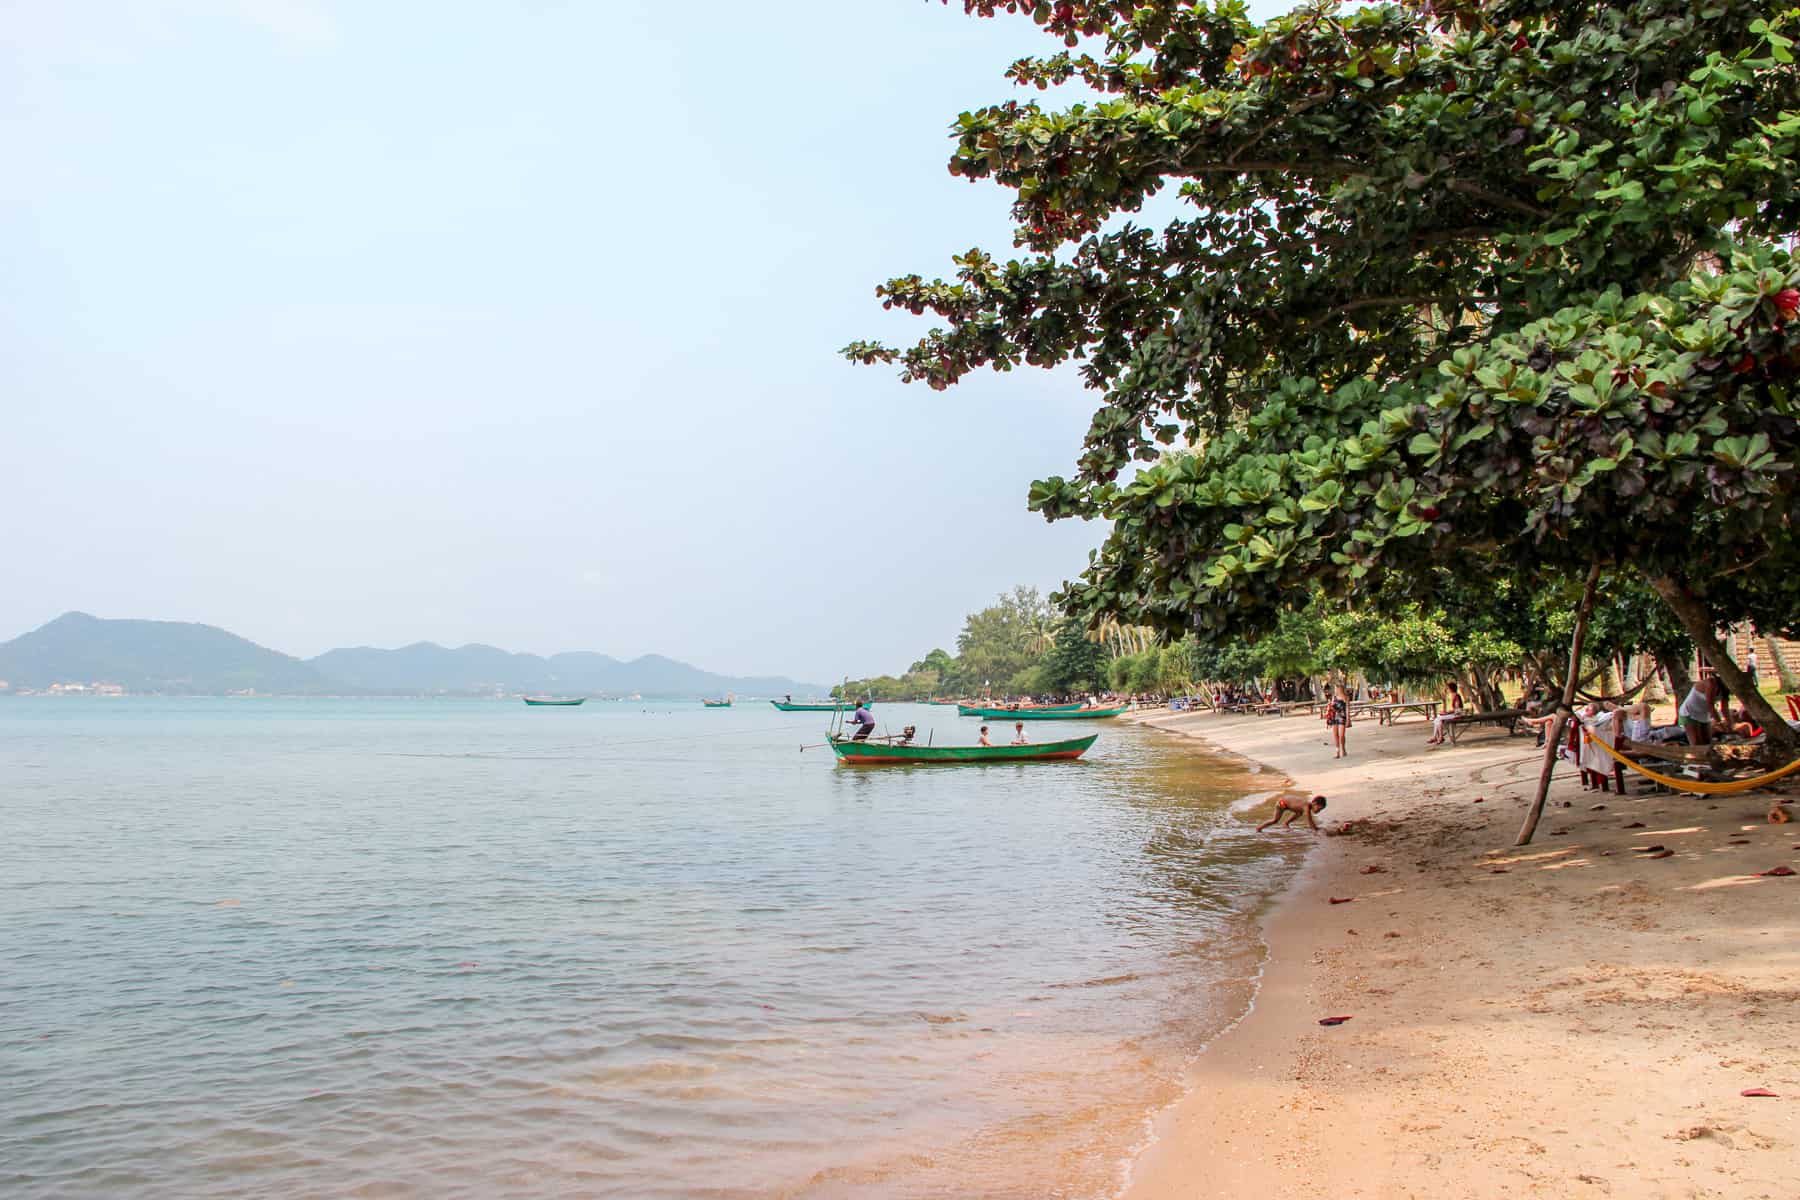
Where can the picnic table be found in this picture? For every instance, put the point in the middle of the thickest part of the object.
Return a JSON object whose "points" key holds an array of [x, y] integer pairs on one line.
{"points": [[1507, 718], [1386, 713], [1306, 706]]}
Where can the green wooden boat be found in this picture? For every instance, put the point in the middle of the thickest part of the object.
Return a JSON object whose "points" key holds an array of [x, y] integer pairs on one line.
{"points": [[1042, 714], [982, 710], [892, 754], [789, 706], [547, 702], [716, 703]]}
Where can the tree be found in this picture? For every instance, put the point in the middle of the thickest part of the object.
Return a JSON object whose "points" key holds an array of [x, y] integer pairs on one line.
{"points": [[1003, 639], [938, 661], [1075, 663], [1462, 289]]}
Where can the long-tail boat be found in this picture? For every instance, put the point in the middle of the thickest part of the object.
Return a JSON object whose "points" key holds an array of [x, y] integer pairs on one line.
{"points": [[891, 754], [979, 710], [548, 702], [726, 703], [790, 706], [1042, 714]]}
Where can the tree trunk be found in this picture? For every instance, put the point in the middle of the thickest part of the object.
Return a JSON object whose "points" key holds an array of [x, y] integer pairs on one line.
{"points": [[1487, 693], [1554, 742], [1698, 622], [1676, 668], [1789, 682]]}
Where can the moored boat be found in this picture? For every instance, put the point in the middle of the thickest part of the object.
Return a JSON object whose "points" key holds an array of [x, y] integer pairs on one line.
{"points": [[790, 706], [552, 702], [1041, 714], [888, 754], [717, 703]]}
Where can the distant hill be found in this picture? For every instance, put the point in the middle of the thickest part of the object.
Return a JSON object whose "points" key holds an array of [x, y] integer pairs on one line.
{"points": [[150, 656], [426, 667], [182, 658]]}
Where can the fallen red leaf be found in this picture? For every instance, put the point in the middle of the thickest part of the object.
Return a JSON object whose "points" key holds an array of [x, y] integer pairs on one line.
{"points": [[1342, 899], [1333, 1020], [1777, 871], [1745, 1092]]}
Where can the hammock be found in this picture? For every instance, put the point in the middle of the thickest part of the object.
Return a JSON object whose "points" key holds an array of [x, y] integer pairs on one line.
{"points": [[1627, 694], [1694, 785]]}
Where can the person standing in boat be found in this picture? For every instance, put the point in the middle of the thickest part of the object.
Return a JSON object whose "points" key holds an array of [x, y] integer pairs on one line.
{"points": [[864, 720]]}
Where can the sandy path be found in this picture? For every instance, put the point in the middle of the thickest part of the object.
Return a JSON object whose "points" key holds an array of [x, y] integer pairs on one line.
{"points": [[1571, 1019]]}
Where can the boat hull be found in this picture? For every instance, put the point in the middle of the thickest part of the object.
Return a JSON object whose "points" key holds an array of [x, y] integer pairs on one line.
{"points": [[1041, 714], [556, 703], [716, 703], [886, 754], [813, 707]]}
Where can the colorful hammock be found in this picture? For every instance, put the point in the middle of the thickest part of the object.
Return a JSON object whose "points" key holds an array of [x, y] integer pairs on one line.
{"points": [[1695, 785]]}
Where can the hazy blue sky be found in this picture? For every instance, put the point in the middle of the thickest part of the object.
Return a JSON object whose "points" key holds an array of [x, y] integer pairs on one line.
{"points": [[365, 323]]}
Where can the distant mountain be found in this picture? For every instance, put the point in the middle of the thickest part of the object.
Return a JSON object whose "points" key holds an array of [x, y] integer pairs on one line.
{"points": [[177, 657], [150, 656], [425, 667]]}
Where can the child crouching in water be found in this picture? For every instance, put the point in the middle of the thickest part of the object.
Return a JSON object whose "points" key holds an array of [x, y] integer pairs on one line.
{"points": [[1287, 810]]}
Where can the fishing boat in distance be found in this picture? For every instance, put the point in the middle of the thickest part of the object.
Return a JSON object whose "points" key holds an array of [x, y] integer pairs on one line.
{"points": [[725, 703], [979, 710], [553, 702], [1041, 714], [829, 706], [872, 753]]}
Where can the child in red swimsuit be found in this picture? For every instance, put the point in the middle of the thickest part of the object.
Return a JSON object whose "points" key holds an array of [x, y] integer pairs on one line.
{"points": [[1287, 811]]}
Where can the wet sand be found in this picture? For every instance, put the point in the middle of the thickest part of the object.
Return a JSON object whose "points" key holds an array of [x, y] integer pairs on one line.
{"points": [[1569, 1019]]}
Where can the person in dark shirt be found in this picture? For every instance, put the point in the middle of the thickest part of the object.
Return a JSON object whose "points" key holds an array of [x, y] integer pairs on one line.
{"points": [[864, 720]]}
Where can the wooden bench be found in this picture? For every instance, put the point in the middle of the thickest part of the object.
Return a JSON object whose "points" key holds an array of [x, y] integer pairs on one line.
{"points": [[1507, 718]]}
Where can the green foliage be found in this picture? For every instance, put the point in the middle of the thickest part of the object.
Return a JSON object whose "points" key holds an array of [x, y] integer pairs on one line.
{"points": [[1074, 663], [1003, 639], [1462, 290]]}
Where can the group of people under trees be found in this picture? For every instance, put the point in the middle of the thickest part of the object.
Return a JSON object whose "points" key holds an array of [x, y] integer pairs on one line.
{"points": [[1704, 715]]}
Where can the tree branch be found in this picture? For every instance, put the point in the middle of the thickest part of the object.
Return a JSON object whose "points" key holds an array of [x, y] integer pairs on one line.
{"points": [[1476, 191]]}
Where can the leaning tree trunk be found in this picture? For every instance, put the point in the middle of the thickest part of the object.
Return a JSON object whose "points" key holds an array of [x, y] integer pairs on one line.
{"points": [[1563, 710], [1698, 622]]}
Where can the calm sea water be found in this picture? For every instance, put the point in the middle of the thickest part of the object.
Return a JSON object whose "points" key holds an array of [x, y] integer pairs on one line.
{"points": [[459, 948]]}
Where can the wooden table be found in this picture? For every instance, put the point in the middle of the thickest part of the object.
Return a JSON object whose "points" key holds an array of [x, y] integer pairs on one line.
{"points": [[1386, 713]]}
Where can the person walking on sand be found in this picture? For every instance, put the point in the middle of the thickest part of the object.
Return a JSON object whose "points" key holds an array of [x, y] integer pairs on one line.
{"points": [[1337, 719], [1287, 811]]}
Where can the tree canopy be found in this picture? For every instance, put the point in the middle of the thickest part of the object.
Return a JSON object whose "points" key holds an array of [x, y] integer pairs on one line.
{"points": [[1455, 288]]}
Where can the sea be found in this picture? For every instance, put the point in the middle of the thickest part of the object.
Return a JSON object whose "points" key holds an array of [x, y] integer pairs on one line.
{"points": [[468, 948]]}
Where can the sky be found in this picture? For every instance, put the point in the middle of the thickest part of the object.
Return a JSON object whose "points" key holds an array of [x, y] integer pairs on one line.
{"points": [[365, 324]]}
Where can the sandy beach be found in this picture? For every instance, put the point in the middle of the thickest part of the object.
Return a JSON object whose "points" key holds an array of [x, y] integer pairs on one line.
{"points": [[1573, 1018]]}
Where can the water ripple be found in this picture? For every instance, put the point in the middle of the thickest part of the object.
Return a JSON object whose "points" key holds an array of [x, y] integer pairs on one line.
{"points": [[407, 949]]}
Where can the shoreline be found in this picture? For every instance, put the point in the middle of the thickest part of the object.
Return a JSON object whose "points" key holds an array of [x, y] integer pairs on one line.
{"points": [[1570, 1018]]}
